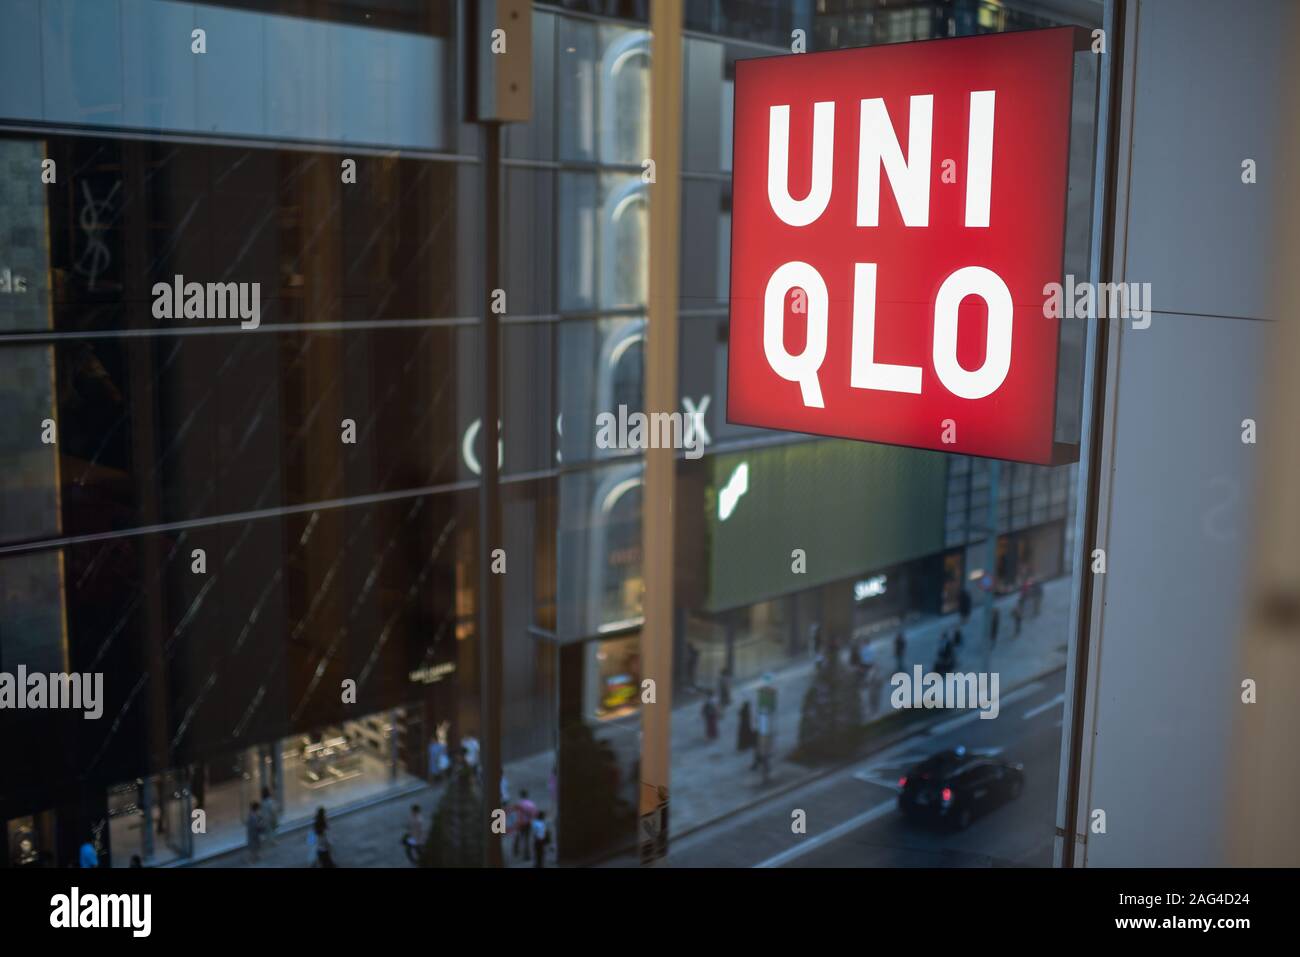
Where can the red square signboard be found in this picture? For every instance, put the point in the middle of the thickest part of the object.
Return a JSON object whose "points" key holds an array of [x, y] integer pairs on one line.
{"points": [[897, 212]]}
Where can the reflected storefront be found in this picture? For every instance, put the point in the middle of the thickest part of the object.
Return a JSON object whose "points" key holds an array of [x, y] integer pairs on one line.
{"points": [[163, 522], [333, 767]]}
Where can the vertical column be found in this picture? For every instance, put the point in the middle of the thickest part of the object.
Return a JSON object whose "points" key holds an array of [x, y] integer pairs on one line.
{"points": [[660, 396], [501, 71], [489, 536], [1262, 828]]}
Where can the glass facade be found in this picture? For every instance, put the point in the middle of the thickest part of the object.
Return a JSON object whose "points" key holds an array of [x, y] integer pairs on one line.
{"points": [[267, 539]]}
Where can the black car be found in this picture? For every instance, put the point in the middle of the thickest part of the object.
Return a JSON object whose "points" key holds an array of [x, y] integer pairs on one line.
{"points": [[954, 787]]}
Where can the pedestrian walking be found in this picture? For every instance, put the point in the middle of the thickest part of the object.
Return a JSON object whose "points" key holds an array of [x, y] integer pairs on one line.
{"points": [[943, 662], [413, 838], [470, 746], [270, 817], [439, 762], [710, 714], [900, 649], [541, 837], [318, 842], [525, 813], [253, 828], [745, 734], [724, 689]]}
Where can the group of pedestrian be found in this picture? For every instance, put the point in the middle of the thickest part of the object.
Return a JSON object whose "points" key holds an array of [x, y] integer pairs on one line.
{"points": [[530, 830], [749, 727], [261, 824], [714, 706]]}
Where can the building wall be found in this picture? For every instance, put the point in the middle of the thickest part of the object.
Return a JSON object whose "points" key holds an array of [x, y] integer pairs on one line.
{"points": [[1164, 687]]}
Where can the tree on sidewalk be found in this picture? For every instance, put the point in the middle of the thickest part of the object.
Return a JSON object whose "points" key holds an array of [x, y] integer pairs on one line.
{"points": [[830, 721], [456, 838], [594, 814]]}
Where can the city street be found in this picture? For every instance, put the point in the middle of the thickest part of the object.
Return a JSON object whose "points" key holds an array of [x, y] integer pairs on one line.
{"points": [[853, 821], [714, 788]]}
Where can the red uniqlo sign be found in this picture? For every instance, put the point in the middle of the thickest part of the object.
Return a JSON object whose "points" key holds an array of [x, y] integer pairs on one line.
{"points": [[897, 212]]}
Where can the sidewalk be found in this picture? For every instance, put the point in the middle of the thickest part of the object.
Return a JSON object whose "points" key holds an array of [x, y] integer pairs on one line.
{"points": [[367, 837], [710, 779]]}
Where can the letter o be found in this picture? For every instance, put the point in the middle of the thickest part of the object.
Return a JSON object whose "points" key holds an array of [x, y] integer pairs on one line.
{"points": [[988, 285]]}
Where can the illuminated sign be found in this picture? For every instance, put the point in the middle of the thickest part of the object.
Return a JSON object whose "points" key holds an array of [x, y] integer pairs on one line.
{"points": [[897, 213], [729, 495], [432, 674], [12, 282], [872, 587]]}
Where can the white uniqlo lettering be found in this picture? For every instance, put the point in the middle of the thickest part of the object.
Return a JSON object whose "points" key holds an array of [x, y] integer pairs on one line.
{"points": [[800, 212], [879, 153]]}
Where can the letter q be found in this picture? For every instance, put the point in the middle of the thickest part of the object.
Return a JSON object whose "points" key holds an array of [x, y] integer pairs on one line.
{"points": [[803, 367]]}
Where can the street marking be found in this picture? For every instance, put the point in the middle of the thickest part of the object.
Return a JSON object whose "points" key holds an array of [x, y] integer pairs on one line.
{"points": [[898, 760], [945, 726], [878, 780], [876, 773], [1045, 706], [1019, 693], [812, 843]]}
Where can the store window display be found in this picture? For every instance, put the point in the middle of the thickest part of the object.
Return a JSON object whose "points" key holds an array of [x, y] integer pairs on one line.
{"points": [[333, 767]]}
